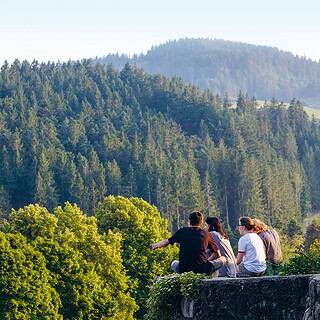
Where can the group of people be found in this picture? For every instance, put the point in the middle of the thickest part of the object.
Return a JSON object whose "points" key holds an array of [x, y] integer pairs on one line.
{"points": [[205, 248]]}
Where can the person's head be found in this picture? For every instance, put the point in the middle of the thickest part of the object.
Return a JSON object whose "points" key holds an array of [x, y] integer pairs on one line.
{"points": [[214, 224], [195, 218], [246, 225], [259, 226]]}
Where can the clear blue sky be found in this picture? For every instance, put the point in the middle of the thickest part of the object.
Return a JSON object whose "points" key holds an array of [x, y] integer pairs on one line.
{"points": [[63, 29]]}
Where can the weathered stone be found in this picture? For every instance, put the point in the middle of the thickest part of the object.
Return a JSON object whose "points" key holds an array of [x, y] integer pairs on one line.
{"points": [[187, 308], [313, 308], [264, 298]]}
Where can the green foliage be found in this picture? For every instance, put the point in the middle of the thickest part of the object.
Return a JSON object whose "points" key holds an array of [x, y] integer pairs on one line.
{"points": [[85, 266], [312, 232], [26, 286], [79, 131], [140, 224], [305, 262], [290, 246], [166, 293]]}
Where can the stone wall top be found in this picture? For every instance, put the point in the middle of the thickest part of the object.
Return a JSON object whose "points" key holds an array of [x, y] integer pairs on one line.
{"points": [[262, 298], [313, 305]]}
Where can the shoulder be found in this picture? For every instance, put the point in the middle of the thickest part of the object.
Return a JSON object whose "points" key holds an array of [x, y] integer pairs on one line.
{"points": [[244, 238], [255, 236], [258, 240], [205, 232], [177, 236], [266, 235], [182, 230], [215, 235]]}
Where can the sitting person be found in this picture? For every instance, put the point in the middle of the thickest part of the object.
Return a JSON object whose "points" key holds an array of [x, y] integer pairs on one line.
{"points": [[213, 225], [271, 241], [193, 245], [251, 256]]}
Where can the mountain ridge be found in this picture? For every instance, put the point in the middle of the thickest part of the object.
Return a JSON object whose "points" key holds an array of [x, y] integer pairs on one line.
{"points": [[227, 66]]}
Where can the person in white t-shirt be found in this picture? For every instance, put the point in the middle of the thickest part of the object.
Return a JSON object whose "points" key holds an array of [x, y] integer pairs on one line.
{"points": [[251, 257]]}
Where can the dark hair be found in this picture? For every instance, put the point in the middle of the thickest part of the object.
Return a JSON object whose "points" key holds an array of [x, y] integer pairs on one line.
{"points": [[247, 222], [196, 218], [215, 225]]}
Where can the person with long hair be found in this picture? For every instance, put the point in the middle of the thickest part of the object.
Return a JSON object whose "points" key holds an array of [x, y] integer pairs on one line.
{"points": [[271, 241], [213, 225], [251, 256]]}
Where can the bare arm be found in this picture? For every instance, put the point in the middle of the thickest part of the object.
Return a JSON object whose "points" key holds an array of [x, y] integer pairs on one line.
{"points": [[240, 257], [160, 244]]}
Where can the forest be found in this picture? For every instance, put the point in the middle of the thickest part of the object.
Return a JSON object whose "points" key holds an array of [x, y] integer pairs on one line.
{"points": [[78, 132], [226, 66], [95, 164]]}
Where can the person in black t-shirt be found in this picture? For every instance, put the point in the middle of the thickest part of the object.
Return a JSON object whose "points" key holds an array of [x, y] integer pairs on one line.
{"points": [[193, 245]]}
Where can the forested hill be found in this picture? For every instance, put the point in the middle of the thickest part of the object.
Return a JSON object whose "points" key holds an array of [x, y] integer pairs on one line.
{"points": [[79, 131], [225, 66]]}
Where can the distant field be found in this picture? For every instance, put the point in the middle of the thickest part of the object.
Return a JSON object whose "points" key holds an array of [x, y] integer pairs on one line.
{"points": [[313, 111], [310, 111]]}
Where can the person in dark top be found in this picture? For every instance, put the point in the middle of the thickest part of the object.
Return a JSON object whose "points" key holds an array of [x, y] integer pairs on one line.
{"points": [[193, 243]]}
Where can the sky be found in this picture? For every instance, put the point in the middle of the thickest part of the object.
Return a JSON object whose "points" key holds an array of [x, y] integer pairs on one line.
{"points": [[75, 29]]}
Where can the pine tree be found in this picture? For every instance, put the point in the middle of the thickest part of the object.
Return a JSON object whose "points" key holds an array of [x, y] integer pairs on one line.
{"points": [[45, 190]]}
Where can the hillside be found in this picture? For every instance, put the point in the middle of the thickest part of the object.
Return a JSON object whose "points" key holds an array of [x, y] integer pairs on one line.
{"points": [[225, 66], [78, 131]]}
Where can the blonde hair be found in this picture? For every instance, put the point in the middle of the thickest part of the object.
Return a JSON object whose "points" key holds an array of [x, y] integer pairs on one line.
{"points": [[260, 226]]}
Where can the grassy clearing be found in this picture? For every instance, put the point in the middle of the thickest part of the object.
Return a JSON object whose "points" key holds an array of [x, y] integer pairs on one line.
{"points": [[309, 110], [313, 111]]}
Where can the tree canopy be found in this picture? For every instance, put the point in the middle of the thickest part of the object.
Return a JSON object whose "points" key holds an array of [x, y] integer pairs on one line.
{"points": [[79, 131], [140, 224], [77, 271]]}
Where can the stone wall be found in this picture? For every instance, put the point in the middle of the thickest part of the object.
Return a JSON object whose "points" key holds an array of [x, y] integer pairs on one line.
{"points": [[313, 310], [264, 298]]}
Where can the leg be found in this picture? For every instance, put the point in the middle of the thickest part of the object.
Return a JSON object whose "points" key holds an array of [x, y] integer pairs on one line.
{"points": [[216, 265], [175, 266], [243, 272]]}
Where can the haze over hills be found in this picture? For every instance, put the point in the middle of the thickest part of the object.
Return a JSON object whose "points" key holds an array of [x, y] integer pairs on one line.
{"points": [[226, 66]]}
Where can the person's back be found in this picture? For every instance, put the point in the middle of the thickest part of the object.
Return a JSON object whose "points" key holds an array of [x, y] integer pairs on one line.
{"points": [[272, 245], [193, 245], [254, 259], [229, 269]]}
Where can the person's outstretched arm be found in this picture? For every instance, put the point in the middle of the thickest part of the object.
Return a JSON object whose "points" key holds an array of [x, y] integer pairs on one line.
{"points": [[160, 244]]}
